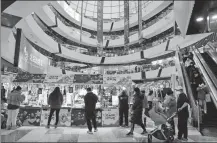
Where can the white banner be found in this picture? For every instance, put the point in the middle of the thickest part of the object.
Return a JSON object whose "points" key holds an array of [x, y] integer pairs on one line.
{"points": [[182, 13]]}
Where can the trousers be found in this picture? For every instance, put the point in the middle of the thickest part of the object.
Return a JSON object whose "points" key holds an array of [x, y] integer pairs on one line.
{"points": [[51, 114], [182, 127], [123, 113], [12, 117], [91, 117]]}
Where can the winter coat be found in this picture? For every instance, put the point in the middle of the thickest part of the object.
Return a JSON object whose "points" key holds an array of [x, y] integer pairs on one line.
{"points": [[137, 108], [123, 100], [170, 104], [57, 103], [15, 98], [145, 102], [90, 100]]}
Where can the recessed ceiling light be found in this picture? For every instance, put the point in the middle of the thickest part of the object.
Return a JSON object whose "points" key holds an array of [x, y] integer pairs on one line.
{"points": [[199, 19]]}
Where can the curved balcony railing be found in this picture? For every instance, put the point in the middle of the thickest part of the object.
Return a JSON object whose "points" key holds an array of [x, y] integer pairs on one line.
{"points": [[153, 8], [34, 33]]}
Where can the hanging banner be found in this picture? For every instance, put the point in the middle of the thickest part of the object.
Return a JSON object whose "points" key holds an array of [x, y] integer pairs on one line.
{"points": [[24, 77], [182, 14], [30, 59], [140, 20], [64, 79], [88, 79], [82, 3], [99, 26], [126, 25], [117, 79]]}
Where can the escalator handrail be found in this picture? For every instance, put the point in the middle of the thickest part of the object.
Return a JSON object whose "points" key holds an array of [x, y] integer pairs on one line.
{"points": [[206, 67], [187, 85], [208, 80], [213, 55]]}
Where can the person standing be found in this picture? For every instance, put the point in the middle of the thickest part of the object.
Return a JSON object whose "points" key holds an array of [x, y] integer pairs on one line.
{"points": [[150, 98], [137, 112], [123, 107], [171, 107], [55, 100], [183, 114], [14, 100], [90, 100], [145, 106]]}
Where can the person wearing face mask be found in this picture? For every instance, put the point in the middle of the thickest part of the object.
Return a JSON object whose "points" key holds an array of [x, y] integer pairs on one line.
{"points": [[183, 114]]}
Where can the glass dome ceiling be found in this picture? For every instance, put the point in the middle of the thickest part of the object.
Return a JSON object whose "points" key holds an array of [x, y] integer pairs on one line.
{"points": [[112, 11]]}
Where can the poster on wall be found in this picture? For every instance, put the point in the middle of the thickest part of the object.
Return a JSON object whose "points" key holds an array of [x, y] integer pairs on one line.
{"points": [[30, 59], [78, 117], [64, 117], [29, 117], [110, 117]]}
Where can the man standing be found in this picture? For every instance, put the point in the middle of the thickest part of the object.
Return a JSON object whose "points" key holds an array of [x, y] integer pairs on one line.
{"points": [[123, 107], [182, 108], [90, 101], [145, 107]]}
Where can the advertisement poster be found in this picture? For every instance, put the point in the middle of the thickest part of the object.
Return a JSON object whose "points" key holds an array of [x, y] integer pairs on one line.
{"points": [[88, 79], [126, 24], [52, 78], [100, 26], [115, 79], [78, 117], [23, 77], [30, 59], [29, 117], [110, 117], [64, 117]]}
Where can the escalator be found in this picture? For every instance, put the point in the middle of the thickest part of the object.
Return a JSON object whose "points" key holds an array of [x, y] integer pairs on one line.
{"points": [[210, 62], [208, 70]]}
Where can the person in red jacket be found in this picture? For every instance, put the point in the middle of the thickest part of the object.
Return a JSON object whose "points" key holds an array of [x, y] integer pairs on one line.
{"points": [[55, 100]]}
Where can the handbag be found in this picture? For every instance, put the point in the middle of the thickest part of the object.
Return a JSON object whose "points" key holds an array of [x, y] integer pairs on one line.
{"points": [[208, 98]]}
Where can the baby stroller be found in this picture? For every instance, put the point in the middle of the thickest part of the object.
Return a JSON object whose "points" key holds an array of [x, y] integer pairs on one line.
{"points": [[164, 131]]}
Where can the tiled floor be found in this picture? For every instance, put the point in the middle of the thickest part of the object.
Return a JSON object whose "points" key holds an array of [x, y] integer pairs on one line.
{"points": [[75, 134]]}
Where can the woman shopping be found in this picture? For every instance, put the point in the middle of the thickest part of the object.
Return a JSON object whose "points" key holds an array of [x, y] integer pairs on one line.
{"points": [[55, 101], [137, 111], [14, 100]]}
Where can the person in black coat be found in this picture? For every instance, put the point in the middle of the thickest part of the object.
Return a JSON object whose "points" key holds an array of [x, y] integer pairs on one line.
{"points": [[90, 101], [137, 111], [123, 107]]}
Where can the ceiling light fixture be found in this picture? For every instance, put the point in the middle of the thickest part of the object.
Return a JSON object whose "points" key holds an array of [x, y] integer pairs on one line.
{"points": [[214, 17], [199, 19]]}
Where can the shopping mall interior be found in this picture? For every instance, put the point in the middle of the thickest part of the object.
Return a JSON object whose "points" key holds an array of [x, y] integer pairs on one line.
{"points": [[111, 47]]}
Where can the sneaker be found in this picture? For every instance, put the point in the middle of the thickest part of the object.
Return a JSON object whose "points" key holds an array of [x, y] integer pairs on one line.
{"points": [[129, 134], [95, 130], [89, 132], [48, 127], [144, 132], [184, 139], [55, 126]]}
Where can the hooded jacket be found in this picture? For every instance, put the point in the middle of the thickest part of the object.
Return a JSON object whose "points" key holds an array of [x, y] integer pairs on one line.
{"points": [[170, 104], [123, 100], [90, 101], [15, 98]]}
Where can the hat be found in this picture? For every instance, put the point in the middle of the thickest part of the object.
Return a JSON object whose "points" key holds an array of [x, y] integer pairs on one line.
{"points": [[179, 88]]}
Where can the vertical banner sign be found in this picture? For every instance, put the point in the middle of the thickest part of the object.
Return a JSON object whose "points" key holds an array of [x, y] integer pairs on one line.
{"points": [[126, 25], [99, 26], [140, 19], [82, 3]]}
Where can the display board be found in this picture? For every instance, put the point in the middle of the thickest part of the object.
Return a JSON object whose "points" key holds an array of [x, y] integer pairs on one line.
{"points": [[110, 117], [64, 117], [88, 79], [29, 117], [78, 117]]}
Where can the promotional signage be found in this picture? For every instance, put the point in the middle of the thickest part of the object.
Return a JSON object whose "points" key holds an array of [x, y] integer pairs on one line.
{"points": [[30, 59], [64, 117], [88, 79], [110, 117], [126, 24], [116, 79], [31, 78], [29, 117], [52, 78], [100, 26]]}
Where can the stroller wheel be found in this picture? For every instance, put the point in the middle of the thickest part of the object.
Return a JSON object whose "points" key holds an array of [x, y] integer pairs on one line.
{"points": [[149, 138]]}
